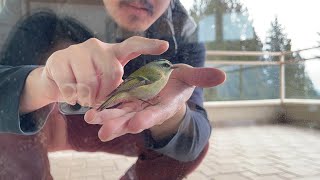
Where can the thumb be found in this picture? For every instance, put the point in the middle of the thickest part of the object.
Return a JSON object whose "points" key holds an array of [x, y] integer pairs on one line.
{"points": [[135, 46], [201, 77]]}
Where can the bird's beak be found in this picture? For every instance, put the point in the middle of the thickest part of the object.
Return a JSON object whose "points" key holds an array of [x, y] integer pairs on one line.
{"points": [[174, 67]]}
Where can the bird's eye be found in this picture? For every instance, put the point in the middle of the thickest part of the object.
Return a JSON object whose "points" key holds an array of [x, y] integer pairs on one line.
{"points": [[166, 65]]}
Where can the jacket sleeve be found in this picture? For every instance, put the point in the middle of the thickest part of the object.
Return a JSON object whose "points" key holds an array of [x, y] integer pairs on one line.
{"points": [[12, 81]]}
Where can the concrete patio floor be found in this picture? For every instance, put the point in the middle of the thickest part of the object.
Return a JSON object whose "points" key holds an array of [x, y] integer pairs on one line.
{"points": [[269, 152]]}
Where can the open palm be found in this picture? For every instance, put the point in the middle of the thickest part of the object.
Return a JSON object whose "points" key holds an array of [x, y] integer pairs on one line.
{"points": [[134, 117]]}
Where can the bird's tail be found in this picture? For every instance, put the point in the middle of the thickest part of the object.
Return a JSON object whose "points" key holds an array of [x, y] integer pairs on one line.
{"points": [[111, 101]]}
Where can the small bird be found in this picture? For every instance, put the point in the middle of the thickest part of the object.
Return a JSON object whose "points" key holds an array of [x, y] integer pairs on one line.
{"points": [[143, 84]]}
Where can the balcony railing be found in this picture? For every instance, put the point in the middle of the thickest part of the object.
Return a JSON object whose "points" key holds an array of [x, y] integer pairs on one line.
{"points": [[282, 61], [267, 110]]}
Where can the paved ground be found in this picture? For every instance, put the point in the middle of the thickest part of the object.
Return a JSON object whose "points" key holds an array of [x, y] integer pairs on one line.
{"points": [[238, 153]]}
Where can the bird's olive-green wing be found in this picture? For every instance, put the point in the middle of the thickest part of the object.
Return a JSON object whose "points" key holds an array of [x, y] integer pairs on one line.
{"points": [[127, 85], [138, 78], [133, 82], [130, 83]]}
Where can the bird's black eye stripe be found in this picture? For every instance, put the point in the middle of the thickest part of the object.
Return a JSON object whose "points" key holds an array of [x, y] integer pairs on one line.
{"points": [[166, 65]]}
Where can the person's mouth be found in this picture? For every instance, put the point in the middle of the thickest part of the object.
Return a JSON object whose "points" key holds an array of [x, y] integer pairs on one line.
{"points": [[138, 5]]}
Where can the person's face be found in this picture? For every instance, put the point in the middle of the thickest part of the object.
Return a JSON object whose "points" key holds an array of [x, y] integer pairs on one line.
{"points": [[136, 15]]}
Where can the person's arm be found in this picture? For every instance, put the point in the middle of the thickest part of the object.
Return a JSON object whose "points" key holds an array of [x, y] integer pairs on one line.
{"points": [[12, 82], [186, 142]]}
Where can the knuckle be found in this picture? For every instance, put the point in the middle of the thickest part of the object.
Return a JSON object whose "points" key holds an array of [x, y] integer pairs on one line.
{"points": [[53, 64], [72, 48], [94, 41], [54, 57], [134, 38]]}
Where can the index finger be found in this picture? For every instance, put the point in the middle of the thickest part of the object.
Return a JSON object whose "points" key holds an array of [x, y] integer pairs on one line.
{"points": [[135, 46]]}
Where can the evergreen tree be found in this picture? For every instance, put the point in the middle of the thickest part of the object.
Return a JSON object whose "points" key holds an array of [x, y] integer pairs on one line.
{"points": [[298, 84]]}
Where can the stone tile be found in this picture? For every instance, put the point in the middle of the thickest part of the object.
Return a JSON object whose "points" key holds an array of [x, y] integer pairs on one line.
{"points": [[65, 154], [77, 178], [234, 176], [264, 170], [271, 177], [113, 175], [84, 172], [233, 168], [60, 173], [303, 171], [131, 160], [77, 163], [309, 178], [207, 170], [229, 160], [280, 166], [287, 175], [249, 174], [259, 161], [60, 178], [285, 155], [106, 156], [99, 163], [297, 162], [197, 176], [109, 168], [122, 164], [98, 177]]}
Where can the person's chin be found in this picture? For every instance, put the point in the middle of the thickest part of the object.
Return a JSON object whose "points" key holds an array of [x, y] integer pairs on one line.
{"points": [[135, 26]]}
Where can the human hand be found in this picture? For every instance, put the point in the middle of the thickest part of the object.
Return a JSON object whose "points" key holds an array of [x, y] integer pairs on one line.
{"points": [[86, 73], [134, 117]]}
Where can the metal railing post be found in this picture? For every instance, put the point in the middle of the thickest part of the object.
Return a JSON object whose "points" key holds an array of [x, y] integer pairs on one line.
{"points": [[282, 78]]}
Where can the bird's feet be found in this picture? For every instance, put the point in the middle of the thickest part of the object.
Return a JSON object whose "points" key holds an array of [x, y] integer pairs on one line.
{"points": [[151, 102]]}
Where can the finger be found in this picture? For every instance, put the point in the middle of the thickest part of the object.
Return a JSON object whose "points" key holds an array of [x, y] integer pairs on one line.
{"points": [[201, 77], [135, 46], [66, 83], [94, 117], [110, 73], [148, 118], [87, 81], [110, 129]]}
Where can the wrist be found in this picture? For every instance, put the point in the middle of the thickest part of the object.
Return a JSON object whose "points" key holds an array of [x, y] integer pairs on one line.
{"points": [[34, 94], [170, 126]]}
